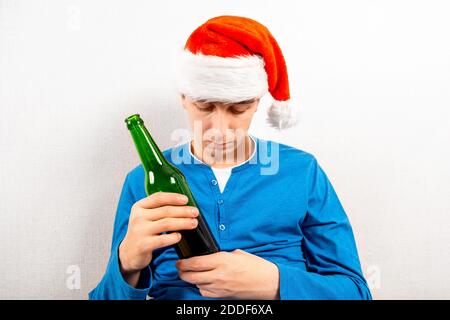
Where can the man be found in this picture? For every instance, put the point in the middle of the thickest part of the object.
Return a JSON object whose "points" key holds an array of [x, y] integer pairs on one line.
{"points": [[282, 231]]}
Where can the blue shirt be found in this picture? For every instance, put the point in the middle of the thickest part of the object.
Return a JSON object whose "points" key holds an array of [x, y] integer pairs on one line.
{"points": [[279, 205]]}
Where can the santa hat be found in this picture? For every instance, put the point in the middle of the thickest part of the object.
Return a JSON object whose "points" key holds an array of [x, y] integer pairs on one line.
{"points": [[233, 59]]}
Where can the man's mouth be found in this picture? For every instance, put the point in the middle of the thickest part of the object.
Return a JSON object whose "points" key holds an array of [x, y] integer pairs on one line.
{"points": [[219, 146]]}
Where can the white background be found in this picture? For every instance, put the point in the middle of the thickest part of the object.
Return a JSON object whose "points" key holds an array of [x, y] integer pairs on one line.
{"points": [[371, 80]]}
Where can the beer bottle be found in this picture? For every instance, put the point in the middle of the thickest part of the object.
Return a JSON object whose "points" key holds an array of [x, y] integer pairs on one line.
{"points": [[161, 175]]}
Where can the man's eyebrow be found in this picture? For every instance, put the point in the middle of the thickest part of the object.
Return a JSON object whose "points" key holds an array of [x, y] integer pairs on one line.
{"points": [[226, 103], [241, 102], [246, 101]]}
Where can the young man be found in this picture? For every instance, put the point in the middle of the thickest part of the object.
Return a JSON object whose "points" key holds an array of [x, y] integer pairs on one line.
{"points": [[282, 231]]}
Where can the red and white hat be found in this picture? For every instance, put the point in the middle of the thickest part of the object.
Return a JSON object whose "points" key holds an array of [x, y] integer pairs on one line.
{"points": [[233, 59]]}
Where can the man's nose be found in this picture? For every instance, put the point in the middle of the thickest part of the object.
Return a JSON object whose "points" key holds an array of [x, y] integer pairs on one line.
{"points": [[221, 124]]}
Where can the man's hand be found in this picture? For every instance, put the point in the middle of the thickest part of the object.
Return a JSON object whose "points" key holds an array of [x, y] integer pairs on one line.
{"points": [[149, 218], [232, 275]]}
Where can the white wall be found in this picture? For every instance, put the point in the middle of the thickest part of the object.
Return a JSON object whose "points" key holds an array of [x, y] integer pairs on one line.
{"points": [[372, 83]]}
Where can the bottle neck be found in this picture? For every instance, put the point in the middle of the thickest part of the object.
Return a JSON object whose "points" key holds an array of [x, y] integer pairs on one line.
{"points": [[151, 156]]}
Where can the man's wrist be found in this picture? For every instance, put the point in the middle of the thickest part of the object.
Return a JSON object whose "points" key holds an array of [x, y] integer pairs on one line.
{"points": [[129, 275], [275, 294], [272, 284]]}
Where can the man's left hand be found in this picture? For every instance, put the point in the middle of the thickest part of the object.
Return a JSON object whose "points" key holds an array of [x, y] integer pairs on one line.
{"points": [[232, 275]]}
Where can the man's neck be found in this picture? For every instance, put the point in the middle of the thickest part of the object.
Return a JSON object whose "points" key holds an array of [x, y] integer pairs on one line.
{"points": [[238, 157]]}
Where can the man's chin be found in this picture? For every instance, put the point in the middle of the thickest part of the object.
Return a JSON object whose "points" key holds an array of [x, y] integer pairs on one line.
{"points": [[220, 154]]}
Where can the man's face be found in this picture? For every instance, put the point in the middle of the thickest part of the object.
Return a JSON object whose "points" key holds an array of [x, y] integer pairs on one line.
{"points": [[219, 127]]}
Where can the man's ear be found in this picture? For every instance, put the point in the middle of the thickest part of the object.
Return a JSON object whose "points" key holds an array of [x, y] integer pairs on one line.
{"points": [[257, 104], [183, 100]]}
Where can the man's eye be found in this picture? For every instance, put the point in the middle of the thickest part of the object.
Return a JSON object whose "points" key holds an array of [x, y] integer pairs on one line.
{"points": [[237, 111], [205, 109]]}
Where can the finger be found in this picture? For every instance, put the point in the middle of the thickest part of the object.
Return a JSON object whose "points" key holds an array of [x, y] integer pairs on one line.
{"points": [[200, 263], [159, 199], [165, 240], [171, 212], [208, 293], [172, 224], [197, 278], [239, 251]]}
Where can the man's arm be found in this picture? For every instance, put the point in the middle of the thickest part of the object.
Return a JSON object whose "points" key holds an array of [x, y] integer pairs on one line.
{"points": [[333, 267], [114, 285]]}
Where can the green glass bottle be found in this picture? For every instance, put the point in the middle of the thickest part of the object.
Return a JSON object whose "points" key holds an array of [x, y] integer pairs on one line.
{"points": [[161, 175]]}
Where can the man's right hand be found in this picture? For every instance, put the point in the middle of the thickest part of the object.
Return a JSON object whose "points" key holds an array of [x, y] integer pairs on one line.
{"points": [[149, 217]]}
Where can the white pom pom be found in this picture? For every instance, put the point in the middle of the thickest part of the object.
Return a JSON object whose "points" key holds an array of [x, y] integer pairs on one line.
{"points": [[281, 115]]}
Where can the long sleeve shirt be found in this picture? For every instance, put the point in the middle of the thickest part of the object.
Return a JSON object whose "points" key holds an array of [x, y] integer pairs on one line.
{"points": [[279, 205], [223, 174]]}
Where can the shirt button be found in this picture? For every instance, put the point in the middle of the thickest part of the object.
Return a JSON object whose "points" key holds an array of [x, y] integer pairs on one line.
{"points": [[214, 182], [220, 201], [222, 227]]}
